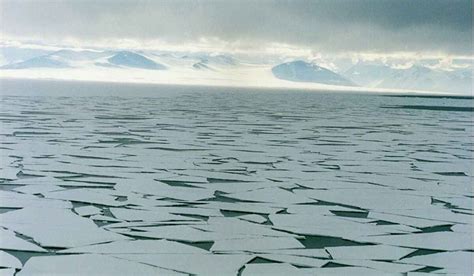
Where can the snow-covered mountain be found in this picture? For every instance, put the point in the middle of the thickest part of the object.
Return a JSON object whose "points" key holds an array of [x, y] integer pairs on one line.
{"points": [[57, 59], [70, 55], [368, 73], [204, 61], [225, 69], [418, 77], [121, 59], [47, 61], [201, 65], [11, 54], [301, 71], [415, 77], [134, 60], [69, 58]]}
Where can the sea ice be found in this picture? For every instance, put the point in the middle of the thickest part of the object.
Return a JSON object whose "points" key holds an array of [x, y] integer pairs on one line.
{"points": [[88, 264], [56, 227]]}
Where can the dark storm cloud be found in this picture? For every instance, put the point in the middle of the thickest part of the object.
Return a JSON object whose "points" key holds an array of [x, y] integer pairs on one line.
{"points": [[376, 25]]}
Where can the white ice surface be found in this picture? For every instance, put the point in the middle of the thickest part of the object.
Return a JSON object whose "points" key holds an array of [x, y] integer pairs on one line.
{"points": [[271, 269], [56, 227], [7, 271], [263, 243], [454, 262], [8, 240], [88, 264], [7, 260], [435, 240], [369, 252], [87, 211], [138, 247], [199, 264]]}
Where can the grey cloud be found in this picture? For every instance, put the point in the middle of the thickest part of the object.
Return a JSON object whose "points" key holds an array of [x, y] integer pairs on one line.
{"points": [[371, 25]]}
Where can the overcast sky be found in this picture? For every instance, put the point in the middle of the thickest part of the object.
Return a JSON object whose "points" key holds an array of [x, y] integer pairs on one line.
{"points": [[327, 26]]}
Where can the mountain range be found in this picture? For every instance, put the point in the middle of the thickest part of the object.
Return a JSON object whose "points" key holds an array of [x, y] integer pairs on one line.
{"points": [[416, 77], [225, 66], [301, 71]]}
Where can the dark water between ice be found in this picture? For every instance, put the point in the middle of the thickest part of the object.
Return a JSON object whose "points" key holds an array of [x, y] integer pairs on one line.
{"points": [[109, 178]]}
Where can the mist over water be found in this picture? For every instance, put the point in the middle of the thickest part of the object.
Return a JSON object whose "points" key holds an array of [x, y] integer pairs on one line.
{"points": [[207, 180]]}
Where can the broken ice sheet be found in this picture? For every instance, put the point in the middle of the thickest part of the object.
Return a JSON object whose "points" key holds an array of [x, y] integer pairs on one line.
{"points": [[232, 187], [463, 202], [7, 271], [19, 200], [196, 264], [47, 181], [138, 247], [272, 269], [10, 241], [435, 213], [275, 195], [383, 267], [59, 228], [347, 270], [146, 215], [369, 252], [128, 226], [334, 226], [181, 178], [253, 244], [253, 218], [454, 262], [95, 196], [255, 208], [406, 220], [104, 218], [8, 172], [216, 177], [295, 260], [175, 232], [462, 228], [311, 209], [233, 226], [38, 189], [161, 189], [185, 210], [85, 211], [88, 264], [304, 252], [434, 241], [370, 177], [372, 199], [7, 260]]}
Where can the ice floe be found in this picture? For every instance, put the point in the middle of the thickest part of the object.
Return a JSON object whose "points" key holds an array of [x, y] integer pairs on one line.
{"points": [[203, 181], [59, 228], [89, 264]]}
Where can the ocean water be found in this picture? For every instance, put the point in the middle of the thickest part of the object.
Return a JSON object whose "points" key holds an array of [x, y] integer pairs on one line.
{"points": [[141, 180]]}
